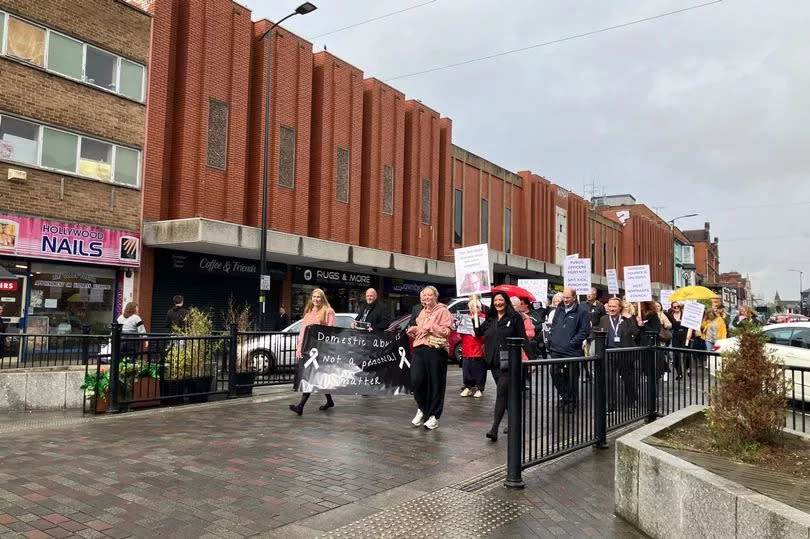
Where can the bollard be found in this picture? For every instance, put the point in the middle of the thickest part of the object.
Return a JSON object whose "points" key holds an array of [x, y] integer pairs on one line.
{"points": [[600, 374], [232, 342], [115, 358], [514, 450]]}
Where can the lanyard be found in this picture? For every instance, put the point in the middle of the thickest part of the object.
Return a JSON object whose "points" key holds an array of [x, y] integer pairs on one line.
{"points": [[615, 327]]}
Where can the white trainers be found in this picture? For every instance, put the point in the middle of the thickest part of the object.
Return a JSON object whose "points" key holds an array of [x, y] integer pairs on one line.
{"points": [[417, 419], [432, 423], [466, 392], [478, 394]]}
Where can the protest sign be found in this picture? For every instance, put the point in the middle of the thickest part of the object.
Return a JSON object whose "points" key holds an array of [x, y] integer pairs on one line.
{"points": [[464, 324], [693, 315], [613, 282], [578, 275], [472, 270], [572, 257], [637, 284], [345, 361], [665, 303], [538, 288]]}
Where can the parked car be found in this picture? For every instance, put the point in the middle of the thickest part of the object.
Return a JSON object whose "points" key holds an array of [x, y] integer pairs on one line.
{"points": [[275, 352], [790, 344], [786, 318]]}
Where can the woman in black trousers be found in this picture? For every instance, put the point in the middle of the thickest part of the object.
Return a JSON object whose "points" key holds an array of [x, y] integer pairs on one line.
{"points": [[678, 340], [501, 323]]}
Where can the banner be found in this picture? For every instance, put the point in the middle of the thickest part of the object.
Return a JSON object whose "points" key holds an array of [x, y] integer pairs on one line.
{"points": [[665, 295], [538, 288], [692, 315], [472, 270], [613, 282], [55, 240], [348, 362], [637, 286], [577, 275]]}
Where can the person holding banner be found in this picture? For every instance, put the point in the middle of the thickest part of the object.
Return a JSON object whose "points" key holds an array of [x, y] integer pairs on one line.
{"points": [[474, 368], [317, 312], [429, 362]]}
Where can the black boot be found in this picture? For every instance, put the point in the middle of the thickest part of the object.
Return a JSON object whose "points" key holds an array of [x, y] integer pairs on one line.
{"points": [[329, 403]]}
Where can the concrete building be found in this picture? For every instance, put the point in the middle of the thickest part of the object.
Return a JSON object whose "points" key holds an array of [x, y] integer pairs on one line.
{"points": [[707, 258], [72, 129]]}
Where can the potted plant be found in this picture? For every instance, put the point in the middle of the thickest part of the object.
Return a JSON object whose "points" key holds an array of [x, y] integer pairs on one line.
{"points": [[139, 382], [241, 317], [190, 362], [96, 386]]}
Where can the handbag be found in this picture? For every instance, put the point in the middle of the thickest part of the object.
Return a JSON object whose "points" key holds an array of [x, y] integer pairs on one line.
{"points": [[665, 334], [434, 341]]}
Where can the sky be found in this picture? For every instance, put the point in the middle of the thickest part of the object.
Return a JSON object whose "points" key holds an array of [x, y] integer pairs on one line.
{"points": [[705, 111]]}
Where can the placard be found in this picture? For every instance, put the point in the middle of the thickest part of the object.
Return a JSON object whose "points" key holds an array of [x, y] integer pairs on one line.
{"points": [[613, 282], [538, 288], [348, 362], [572, 257], [665, 295], [693, 315], [578, 275], [464, 324], [472, 270], [637, 286]]}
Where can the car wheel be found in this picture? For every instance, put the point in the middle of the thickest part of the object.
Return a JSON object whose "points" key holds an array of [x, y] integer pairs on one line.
{"points": [[262, 361], [457, 354]]}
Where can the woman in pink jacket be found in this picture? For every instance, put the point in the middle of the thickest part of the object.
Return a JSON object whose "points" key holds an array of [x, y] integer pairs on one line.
{"points": [[318, 312]]}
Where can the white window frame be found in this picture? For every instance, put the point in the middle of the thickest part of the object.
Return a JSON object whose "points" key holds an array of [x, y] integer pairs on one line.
{"points": [[47, 58], [32, 23]]}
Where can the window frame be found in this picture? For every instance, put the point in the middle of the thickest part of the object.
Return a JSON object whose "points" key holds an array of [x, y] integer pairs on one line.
{"points": [[458, 210], [484, 232], [4, 44], [84, 56], [429, 220], [338, 150], [292, 159], [769, 332], [116, 73], [227, 105], [38, 140], [393, 184]]}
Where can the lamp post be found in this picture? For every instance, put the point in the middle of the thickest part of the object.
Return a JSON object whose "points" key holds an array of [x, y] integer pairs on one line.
{"points": [[800, 272], [672, 230], [264, 279]]}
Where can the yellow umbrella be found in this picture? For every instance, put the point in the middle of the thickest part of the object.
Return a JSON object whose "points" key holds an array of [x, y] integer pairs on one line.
{"points": [[692, 292]]}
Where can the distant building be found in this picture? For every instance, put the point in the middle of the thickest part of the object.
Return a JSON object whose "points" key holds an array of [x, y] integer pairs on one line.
{"points": [[780, 305], [707, 257]]}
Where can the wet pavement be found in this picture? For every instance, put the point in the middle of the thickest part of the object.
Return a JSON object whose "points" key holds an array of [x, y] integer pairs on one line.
{"points": [[253, 468]]}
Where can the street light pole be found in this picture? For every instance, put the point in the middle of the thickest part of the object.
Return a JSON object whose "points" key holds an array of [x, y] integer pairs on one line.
{"points": [[801, 306], [264, 279], [672, 231]]}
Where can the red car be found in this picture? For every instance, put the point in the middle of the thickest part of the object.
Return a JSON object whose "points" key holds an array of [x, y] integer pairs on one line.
{"points": [[454, 339]]}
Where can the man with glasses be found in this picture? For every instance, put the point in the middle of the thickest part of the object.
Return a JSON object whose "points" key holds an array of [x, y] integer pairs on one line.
{"points": [[569, 329]]}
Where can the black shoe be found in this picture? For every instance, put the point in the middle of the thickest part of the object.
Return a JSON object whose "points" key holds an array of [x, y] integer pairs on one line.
{"points": [[324, 407], [493, 435], [679, 377], [297, 409], [506, 430]]}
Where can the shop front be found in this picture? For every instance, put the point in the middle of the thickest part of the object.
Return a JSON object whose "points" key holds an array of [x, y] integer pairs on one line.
{"points": [[345, 290], [402, 294], [58, 277]]}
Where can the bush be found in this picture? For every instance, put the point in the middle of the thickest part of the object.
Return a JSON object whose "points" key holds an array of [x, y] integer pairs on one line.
{"points": [[748, 406], [192, 358]]}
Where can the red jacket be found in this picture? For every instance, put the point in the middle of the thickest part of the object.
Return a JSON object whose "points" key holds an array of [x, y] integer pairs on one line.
{"points": [[472, 346]]}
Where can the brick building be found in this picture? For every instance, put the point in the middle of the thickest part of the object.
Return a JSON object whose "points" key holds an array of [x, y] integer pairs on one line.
{"points": [[72, 128], [707, 258]]}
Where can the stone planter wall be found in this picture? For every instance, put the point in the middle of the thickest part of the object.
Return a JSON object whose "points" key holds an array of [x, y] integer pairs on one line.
{"points": [[45, 388], [668, 497]]}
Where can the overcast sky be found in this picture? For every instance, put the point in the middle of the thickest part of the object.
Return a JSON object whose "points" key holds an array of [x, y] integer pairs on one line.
{"points": [[706, 111]]}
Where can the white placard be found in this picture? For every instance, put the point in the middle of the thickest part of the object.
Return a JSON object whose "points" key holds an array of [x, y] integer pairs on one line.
{"points": [[665, 303], [578, 275], [464, 325], [51, 303], [692, 316], [613, 282], [637, 286], [538, 288], [472, 270], [572, 257]]}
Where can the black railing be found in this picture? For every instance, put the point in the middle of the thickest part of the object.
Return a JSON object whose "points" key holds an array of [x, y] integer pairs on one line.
{"points": [[27, 350], [265, 358]]}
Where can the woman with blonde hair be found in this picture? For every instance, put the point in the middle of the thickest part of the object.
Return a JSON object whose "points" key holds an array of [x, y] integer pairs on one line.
{"points": [[317, 312], [713, 328]]}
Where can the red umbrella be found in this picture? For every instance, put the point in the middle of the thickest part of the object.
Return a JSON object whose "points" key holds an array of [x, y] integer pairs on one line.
{"points": [[514, 291]]}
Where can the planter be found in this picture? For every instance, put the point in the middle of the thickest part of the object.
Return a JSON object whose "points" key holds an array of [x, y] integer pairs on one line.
{"points": [[173, 388], [145, 393], [99, 405], [666, 496], [201, 384], [244, 382]]}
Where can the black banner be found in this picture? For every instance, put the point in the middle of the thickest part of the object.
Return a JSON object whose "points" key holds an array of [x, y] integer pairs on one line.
{"points": [[350, 361]]}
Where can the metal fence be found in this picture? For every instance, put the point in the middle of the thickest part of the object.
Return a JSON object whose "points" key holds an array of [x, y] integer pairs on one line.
{"points": [[555, 409], [26, 350]]}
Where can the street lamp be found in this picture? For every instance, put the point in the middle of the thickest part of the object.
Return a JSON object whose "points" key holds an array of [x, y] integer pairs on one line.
{"points": [[672, 230], [264, 279], [800, 272]]}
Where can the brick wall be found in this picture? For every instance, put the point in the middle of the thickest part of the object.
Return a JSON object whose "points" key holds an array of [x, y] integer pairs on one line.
{"points": [[647, 239], [337, 122], [606, 235], [445, 202], [540, 200], [383, 144]]}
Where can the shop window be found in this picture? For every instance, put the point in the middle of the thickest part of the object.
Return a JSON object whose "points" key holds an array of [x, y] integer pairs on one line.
{"points": [[126, 166], [484, 220], [19, 140], [388, 190], [65, 298], [131, 80], [96, 159], [59, 150], [507, 230], [217, 154], [65, 55], [25, 41], [286, 158], [100, 68], [426, 201], [458, 215], [342, 186]]}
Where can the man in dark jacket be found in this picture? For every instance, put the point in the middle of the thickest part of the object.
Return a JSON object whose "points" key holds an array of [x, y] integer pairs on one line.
{"points": [[371, 313], [569, 329], [622, 332], [176, 317]]}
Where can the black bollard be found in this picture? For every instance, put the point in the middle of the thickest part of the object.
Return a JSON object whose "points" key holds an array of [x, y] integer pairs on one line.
{"points": [[600, 374], [514, 450]]}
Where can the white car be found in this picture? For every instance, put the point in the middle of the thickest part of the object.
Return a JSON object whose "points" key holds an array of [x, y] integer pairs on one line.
{"points": [[790, 344], [266, 353]]}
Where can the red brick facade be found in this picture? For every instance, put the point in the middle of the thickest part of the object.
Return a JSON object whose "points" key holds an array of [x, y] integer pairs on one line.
{"points": [[647, 239]]}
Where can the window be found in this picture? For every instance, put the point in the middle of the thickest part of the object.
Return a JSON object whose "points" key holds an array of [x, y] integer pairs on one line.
{"points": [[19, 140], [507, 230], [778, 336], [604, 256], [342, 184], [217, 152], [25, 41], [131, 80], [458, 215], [126, 166], [425, 201], [484, 220], [96, 159], [286, 157], [593, 256], [59, 149], [65, 56], [800, 338], [100, 68], [388, 190]]}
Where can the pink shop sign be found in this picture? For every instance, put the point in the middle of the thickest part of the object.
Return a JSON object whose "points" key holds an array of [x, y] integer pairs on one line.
{"points": [[55, 240]]}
